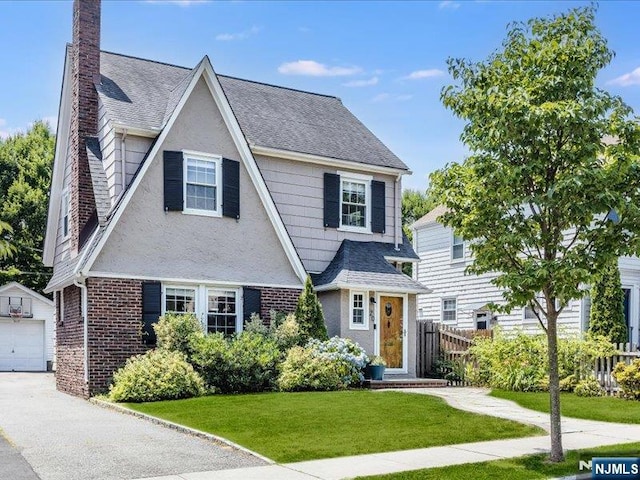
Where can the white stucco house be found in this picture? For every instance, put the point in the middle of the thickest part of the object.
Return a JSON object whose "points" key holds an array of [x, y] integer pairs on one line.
{"points": [[460, 300], [27, 330]]}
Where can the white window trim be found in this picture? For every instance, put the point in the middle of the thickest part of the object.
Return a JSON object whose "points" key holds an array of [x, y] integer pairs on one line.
{"points": [[202, 299], [534, 319], [206, 157], [455, 320], [464, 248], [365, 312], [366, 180], [65, 203]]}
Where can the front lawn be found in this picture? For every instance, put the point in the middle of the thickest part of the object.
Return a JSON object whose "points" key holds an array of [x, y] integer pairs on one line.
{"points": [[529, 467], [606, 409], [292, 427]]}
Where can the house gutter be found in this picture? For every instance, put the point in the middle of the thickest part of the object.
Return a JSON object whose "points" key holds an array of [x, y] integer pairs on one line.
{"points": [[80, 282], [398, 213], [123, 159]]}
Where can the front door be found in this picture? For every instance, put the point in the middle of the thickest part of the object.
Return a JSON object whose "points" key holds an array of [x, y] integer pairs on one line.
{"points": [[391, 331]]}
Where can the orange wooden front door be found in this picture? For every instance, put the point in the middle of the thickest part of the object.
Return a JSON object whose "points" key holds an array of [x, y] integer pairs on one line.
{"points": [[391, 338]]}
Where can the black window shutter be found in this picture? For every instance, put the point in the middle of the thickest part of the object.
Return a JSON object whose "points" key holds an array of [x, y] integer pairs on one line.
{"points": [[230, 188], [151, 310], [251, 302], [173, 187], [331, 200], [377, 206]]}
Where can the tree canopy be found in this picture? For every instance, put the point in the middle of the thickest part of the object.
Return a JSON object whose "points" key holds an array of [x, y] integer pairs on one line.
{"points": [[26, 162], [415, 204], [551, 156]]}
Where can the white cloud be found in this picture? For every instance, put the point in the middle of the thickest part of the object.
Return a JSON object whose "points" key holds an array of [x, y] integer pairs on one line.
{"points": [[314, 69], [420, 74], [226, 37], [362, 83], [448, 4], [631, 78], [387, 97]]}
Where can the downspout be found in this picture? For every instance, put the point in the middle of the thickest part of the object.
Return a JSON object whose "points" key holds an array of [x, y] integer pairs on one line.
{"points": [[123, 160], [85, 327], [398, 214]]}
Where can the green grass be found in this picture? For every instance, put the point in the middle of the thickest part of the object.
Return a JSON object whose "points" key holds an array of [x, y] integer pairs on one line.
{"points": [[291, 427], [529, 467], [606, 409]]}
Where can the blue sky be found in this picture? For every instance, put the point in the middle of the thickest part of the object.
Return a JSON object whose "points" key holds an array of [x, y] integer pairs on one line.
{"points": [[385, 60]]}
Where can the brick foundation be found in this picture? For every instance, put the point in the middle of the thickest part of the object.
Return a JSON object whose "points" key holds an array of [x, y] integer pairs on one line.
{"points": [[280, 299], [115, 327]]}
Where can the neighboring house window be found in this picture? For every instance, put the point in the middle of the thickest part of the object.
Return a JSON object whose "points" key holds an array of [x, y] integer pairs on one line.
{"points": [[358, 317], [530, 313], [180, 300], [449, 307], [221, 312], [354, 204], [201, 186], [65, 213], [457, 247]]}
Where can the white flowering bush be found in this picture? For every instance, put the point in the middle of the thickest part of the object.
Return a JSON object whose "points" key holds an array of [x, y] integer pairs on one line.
{"points": [[333, 364]]}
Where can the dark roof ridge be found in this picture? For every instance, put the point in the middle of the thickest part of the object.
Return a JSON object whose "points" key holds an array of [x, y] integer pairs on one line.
{"points": [[278, 86], [145, 59]]}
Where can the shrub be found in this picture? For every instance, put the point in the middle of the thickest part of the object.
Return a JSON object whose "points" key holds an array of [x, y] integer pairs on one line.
{"points": [[589, 388], [519, 362], [178, 332], [287, 334], [246, 362], [607, 305], [156, 375], [628, 378], [334, 364], [309, 314]]}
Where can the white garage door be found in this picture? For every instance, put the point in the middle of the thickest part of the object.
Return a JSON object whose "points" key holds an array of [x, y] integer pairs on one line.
{"points": [[22, 345]]}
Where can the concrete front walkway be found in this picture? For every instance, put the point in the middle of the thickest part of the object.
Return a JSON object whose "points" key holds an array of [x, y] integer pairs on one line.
{"points": [[577, 434], [67, 438]]}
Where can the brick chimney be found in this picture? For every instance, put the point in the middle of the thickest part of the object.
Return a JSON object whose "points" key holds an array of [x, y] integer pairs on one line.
{"points": [[85, 73]]}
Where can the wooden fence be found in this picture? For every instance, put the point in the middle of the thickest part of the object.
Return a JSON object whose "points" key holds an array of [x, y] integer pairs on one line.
{"points": [[604, 366], [437, 342]]}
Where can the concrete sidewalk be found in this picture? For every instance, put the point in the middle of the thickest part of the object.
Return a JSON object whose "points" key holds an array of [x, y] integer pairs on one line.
{"points": [[577, 434]]}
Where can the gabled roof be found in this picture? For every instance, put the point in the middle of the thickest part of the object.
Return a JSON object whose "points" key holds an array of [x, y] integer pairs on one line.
{"points": [[26, 290], [429, 218], [142, 94], [98, 179], [363, 265]]}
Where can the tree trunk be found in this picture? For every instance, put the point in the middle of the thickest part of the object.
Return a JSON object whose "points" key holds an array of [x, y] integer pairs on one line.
{"points": [[557, 455]]}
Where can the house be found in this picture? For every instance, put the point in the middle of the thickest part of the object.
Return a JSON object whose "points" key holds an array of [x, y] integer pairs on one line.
{"points": [[460, 300], [27, 330], [179, 189]]}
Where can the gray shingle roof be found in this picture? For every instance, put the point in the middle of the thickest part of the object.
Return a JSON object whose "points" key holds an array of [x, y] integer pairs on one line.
{"points": [[143, 94], [430, 217], [363, 264], [62, 274], [98, 179]]}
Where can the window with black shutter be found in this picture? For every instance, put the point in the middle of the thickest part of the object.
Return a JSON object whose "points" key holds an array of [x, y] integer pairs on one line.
{"points": [[173, 186], [377, 206], [251, 303], [151, 310], [331, 200], [230, 188]]}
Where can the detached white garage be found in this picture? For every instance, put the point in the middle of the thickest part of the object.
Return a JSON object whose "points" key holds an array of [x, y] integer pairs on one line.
{"points": [[27, 330]]}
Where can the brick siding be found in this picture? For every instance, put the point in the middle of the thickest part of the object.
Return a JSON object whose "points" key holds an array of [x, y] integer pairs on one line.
{"points": [[70, 344], [115, 327], [280, 299]]}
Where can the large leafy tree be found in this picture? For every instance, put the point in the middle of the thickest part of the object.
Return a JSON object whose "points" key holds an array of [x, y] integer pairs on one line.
{"points": [[551, 156], [607, 305], [6, 247], [25, 175], [415, 204]]}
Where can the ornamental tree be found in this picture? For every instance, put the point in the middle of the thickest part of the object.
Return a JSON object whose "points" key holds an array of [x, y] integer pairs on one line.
{"points": [[607, 305], [309, 314], [551, 155]]}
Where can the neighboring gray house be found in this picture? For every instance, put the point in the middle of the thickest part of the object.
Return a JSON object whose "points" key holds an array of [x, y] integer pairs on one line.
{"points": [[27, 330], [460, 300], [178, 189]]}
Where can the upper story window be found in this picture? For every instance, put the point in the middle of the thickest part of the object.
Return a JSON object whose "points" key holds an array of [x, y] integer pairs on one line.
{"points": [[354, 204], [65, 213], [449, 309], [358, 317], [201, 186], [457, 247]]}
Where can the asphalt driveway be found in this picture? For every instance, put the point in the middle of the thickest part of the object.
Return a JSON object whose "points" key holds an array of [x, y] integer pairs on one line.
{"points": [[67, 438]]}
